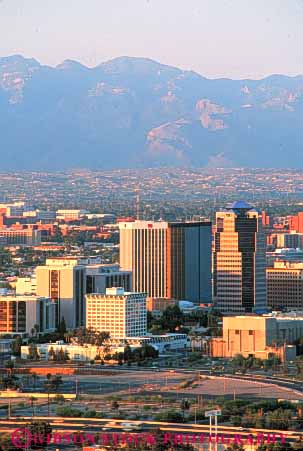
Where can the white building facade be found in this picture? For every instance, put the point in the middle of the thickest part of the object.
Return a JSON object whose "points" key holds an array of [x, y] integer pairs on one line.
{"points": [[118, 312]]}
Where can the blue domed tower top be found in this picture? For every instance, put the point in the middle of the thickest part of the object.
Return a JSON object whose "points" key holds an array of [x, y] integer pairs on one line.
{"points": [[240, 206]]}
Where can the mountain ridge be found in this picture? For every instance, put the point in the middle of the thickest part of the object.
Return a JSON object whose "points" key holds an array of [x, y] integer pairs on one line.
{"points": [[136, 112]]}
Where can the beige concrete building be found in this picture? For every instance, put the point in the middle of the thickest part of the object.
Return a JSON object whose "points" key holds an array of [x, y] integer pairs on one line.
{"points": [[26, 285], [63, 280], [120, 313], [259, 335], [70, 215], [239, 260], [68, 279], [285, 286]]}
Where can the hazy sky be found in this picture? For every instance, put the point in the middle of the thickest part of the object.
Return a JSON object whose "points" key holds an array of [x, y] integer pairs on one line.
{"points": [[217, 38]]}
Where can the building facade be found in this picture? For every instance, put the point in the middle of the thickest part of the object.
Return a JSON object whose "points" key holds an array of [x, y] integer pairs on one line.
{"points": [[120, 313], [26, 285], [63, 280], [239, 260], [259, 336], [289, 240], [70, 215], [285, 286], [76, 352], [168, 260], [100, 277], [19, 314], [66, 280], [21, 237]]}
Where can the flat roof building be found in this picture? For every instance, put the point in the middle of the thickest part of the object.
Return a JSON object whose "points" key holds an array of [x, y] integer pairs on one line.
{"points": [[20, 314], [21, 237], [285, 286], [260, 335], [239, 260], [118, 312], [168, 260]]}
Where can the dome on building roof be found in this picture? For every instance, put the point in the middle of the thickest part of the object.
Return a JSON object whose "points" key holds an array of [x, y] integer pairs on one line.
{"points": [[240, 205]]}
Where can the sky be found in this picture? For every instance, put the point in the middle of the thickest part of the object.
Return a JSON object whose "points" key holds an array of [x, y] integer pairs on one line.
{"points": [[217, 38]]}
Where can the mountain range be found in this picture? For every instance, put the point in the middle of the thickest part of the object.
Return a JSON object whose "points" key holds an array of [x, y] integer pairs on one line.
{"points": [[135, 112]]}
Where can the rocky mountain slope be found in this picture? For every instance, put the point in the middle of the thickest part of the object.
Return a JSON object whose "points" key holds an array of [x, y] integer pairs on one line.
{"points": [[136, 112]]}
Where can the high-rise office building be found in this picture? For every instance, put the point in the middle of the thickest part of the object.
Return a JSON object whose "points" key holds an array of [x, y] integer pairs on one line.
{"points": [[168, 260], [285, 286], [118, 312], [100, 277], [63, 280], [239, 260], [66, 280]]}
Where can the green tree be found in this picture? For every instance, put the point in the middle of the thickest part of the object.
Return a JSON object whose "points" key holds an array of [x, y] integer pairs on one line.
{"points": [[127, 355], [37, 329], [51, 354], [279, 419], [16, 346], [62, 328], [40, 429], [33, 352], [185, 405], [115, 405], [32, 401], [172, 318], [169, 415], [235, 447]]}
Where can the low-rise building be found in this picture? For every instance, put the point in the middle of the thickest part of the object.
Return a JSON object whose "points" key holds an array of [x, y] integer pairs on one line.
{"points": [[74, 351], [158, 305], [70, 215], [259, 336], [21, 237]]}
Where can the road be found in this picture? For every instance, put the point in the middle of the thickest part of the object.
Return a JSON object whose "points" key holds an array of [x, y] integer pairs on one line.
{"points": [[89, 425]]}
